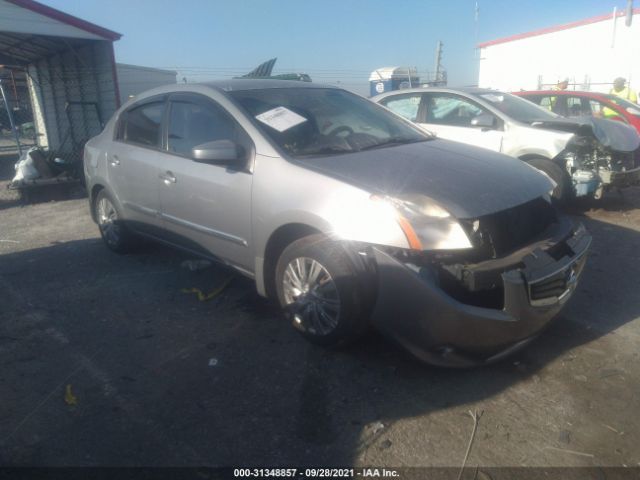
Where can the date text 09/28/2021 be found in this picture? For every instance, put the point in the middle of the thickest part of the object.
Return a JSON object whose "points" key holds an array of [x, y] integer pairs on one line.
{"points": [[315, 473]]}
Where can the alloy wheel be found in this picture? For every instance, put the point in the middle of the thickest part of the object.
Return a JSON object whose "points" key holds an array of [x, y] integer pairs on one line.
{"points": [[107, 221], [311, 296]]}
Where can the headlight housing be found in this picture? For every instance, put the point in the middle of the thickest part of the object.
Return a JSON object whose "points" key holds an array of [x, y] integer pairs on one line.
{"points": [[426, 224]]}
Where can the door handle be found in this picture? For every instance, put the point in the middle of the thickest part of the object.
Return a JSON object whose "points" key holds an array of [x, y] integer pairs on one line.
{"points": [[115, 161], [167, 177]]}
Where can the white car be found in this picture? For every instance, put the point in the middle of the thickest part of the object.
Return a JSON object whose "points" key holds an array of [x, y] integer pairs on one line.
{"points": [[584, 156]]}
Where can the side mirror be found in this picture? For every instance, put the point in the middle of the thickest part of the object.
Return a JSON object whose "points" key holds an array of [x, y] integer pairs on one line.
{"points": [[216, 152], [484, 120]]}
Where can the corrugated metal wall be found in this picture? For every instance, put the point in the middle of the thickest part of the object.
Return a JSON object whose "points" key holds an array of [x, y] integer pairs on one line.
{"points": [[57, 82]]}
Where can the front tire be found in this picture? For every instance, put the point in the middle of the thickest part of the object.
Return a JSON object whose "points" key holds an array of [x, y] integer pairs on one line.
{"points": [[322, 292], [112, 230], [563, 191]]}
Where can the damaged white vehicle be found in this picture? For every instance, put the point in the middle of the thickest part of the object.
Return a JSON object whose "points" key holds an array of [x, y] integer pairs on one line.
{"points": [[584, 156]]}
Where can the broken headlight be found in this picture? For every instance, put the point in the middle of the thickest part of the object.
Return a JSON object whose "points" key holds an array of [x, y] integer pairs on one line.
{"points": [[426, 224]]}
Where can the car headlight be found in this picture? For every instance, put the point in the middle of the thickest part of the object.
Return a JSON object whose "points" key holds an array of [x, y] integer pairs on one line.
{"points": [[426, 224]]}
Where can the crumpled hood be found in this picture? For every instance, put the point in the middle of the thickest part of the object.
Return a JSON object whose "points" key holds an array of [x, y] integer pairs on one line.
{"points": [[468, 181], [611, 134]]}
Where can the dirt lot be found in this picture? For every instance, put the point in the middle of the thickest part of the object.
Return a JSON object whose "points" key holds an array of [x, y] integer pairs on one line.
{"points": [[159, 378]]}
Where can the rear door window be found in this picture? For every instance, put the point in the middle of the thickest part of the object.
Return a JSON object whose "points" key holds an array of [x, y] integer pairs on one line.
{"points": [[406, 106], [141, 125], [576, 107]]}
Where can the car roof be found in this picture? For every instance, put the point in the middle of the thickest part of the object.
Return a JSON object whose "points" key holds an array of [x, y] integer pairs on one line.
{"points": [[223, 87], [463, 90]]}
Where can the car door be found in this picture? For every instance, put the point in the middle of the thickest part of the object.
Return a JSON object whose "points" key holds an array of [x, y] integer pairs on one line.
{"points": [[454, 117], [133, 163], [206, 207]]}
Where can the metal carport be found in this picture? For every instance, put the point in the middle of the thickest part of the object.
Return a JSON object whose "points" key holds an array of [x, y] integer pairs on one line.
{"points": [[70, 69]]}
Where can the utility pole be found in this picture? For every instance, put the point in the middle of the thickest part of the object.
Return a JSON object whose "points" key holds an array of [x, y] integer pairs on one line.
{"points": [[438, 64]]}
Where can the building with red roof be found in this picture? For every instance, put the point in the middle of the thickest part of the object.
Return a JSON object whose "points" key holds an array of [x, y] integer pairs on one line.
{"points": [[590, 53]]}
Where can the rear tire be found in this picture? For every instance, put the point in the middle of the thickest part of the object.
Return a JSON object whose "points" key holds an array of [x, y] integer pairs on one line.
{"points": [[563, 191], [322, 292], [113, 231]]}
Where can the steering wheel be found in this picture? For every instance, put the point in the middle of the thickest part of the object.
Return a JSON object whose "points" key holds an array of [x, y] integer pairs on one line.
{"points": [[338, 130]]}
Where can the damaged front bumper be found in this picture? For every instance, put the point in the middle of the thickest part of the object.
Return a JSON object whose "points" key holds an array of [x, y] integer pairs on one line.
{"points": [[620, 179], [413, 309]]}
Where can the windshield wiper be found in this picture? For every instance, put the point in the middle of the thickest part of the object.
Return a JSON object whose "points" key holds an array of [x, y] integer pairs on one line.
{"points": [[324, 151], [394, 141]]}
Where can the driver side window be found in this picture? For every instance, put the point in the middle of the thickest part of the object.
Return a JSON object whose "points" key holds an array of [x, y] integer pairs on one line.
{"points": [[452, 110], [192, 124]]}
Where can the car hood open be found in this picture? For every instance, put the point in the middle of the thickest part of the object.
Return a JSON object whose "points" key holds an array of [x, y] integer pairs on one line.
{"points": [[611, 134], [468, 181]]}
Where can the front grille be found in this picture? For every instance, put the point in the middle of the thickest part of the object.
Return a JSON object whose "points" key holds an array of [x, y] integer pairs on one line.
{"points": [[500, 233]]}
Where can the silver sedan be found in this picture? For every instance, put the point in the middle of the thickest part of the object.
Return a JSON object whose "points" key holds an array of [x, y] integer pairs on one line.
{"points": [[347, 215]]}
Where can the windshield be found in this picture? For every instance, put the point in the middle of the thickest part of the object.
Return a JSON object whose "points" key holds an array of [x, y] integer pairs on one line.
{"points": [[517, 108], [630, 107], [324, 121]]}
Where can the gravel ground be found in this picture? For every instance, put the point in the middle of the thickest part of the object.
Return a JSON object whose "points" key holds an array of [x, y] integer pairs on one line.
{"points": [[106, 361]]}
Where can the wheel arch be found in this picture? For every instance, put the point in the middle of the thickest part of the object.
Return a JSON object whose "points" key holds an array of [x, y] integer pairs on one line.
{"points": [[279, 239], [93, 194], [527, 157], [531, 156], [96, 188]]}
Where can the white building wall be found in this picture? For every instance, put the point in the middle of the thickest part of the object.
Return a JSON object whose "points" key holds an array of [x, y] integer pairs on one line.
{"points": [[590, 55]]}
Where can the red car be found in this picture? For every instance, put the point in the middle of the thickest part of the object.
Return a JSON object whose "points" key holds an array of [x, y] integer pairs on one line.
{"points": [[591, 104]]}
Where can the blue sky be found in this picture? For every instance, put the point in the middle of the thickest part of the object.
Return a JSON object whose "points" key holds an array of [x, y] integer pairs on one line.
{"points": [[332, 40]]}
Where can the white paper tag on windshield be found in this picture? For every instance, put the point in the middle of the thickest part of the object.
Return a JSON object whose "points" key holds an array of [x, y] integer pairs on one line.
{"points": [[281, 118]]}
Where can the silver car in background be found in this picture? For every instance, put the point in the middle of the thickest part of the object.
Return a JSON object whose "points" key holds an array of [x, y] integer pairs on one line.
{"points": [[584, 156], [347, 215]]}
